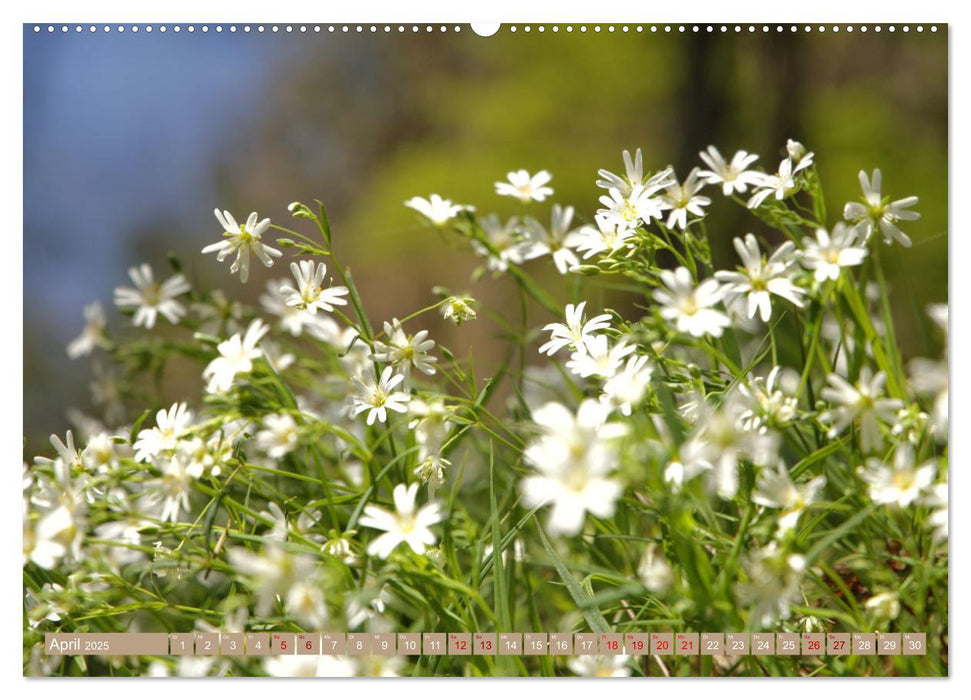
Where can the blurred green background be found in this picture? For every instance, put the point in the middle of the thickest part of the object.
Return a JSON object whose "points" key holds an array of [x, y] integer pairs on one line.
{"points": [[365, 121]]}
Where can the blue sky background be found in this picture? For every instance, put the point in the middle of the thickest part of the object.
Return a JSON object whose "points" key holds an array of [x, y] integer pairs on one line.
{"points": [[122, 128]]}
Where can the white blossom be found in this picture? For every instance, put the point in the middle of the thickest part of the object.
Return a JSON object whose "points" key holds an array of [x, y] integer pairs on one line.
{"points": [[734, 176], [405, 351], [243, 240], [310, 293], [828, 254], [595, 357], [775, 489], [236, 356], [404, 525], [690, 307], [863, 402], [437, 210], [575, 331], [683, 199], [573, 456], [170, 426], [151, 298], [377, 396], [93, 334], [758, 279], [876, 212], [608, 236], [902, 483], [279, 436], [526, 187]]}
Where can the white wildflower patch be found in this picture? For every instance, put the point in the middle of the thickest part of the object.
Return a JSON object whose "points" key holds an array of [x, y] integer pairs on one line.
{"points": [[657, 426]]}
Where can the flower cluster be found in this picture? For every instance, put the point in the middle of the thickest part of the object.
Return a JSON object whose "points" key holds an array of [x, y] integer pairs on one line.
{"points": [[747, 449]]}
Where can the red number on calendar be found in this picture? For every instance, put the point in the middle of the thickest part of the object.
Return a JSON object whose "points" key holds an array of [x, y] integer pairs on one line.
{"points": [[814, 645], [612, 645], [662, 645], [687, 644], [838, 644], [309, 645], [487, 644], [460, 644], [283, 644], [637, 644]]}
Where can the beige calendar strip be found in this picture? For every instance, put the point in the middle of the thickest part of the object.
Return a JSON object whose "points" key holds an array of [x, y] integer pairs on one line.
{"points": [[488, 644]]}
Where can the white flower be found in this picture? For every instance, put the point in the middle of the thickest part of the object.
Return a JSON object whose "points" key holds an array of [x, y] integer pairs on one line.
{"points": [[168, 496], [339, 546], [273, 572], [595, 358], [654, 570], [694, 457], [242, 240], [611, 666], [627, 388], [431, 471], [509, 243], [48, 541], [559, 240], [827, 255], [884, 606], [66, 451], [689, 306], [628, 211], [437, 210], [293, 319], [431, 423], [781, 184], [862, 402], [937, 500], [125, 539], [877, 212], [775, 489], [683, 199], [734, 176], [727, 441], [798, 154], [771, 402], [170, 426], [901, 484], [310, 293], [929, 378], [377, 396], [151, 298], [526, 187], [573, 456], [773, 583], [236, 356], [279, 437], [303, 666], [608, 236], [405, 351], [306, 604], [634, 171], [761, 278], [93, 334], [575, 331], [405, 524], [99, 454], [458, 310]]}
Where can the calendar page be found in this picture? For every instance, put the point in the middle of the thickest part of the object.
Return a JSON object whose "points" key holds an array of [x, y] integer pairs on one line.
{"points": [[473, 350]]}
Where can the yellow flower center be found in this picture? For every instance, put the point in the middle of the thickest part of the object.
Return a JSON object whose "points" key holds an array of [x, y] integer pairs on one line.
{"points": [[903, 480]]}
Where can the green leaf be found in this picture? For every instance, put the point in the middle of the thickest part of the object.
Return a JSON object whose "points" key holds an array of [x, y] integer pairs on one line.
{"points": [[583, 599]]}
